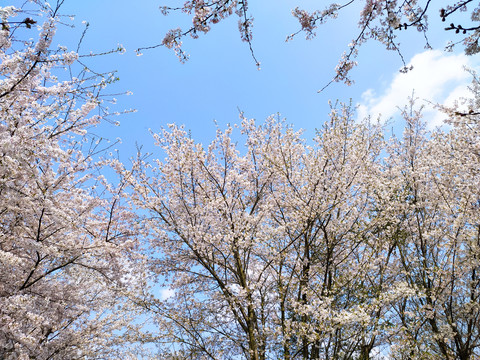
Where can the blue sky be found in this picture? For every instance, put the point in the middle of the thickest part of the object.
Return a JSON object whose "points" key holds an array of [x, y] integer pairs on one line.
{"points": [[221, 76]]}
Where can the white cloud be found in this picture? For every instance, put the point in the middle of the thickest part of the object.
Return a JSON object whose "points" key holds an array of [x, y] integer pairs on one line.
{"points": [[166, 293], [436, 77]]}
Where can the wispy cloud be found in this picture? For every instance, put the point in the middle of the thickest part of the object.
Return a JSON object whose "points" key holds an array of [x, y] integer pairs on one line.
{"points": [[436, 77]]}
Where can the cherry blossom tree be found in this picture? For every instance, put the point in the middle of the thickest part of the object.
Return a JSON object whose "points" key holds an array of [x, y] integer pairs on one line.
{"points": [[321, 206], [353, 247], [67, 261], [266, 254], [379, 20], [428, 201]]}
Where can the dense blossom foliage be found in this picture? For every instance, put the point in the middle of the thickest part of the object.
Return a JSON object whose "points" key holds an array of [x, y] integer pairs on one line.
{"points": [[350, 246], [258, 247], [353, 247], [66, 260]]}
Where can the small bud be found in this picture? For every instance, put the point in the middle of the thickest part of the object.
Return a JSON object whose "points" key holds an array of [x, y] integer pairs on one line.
{"points": [[29, 22], [464, 31], [457, 31]]}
